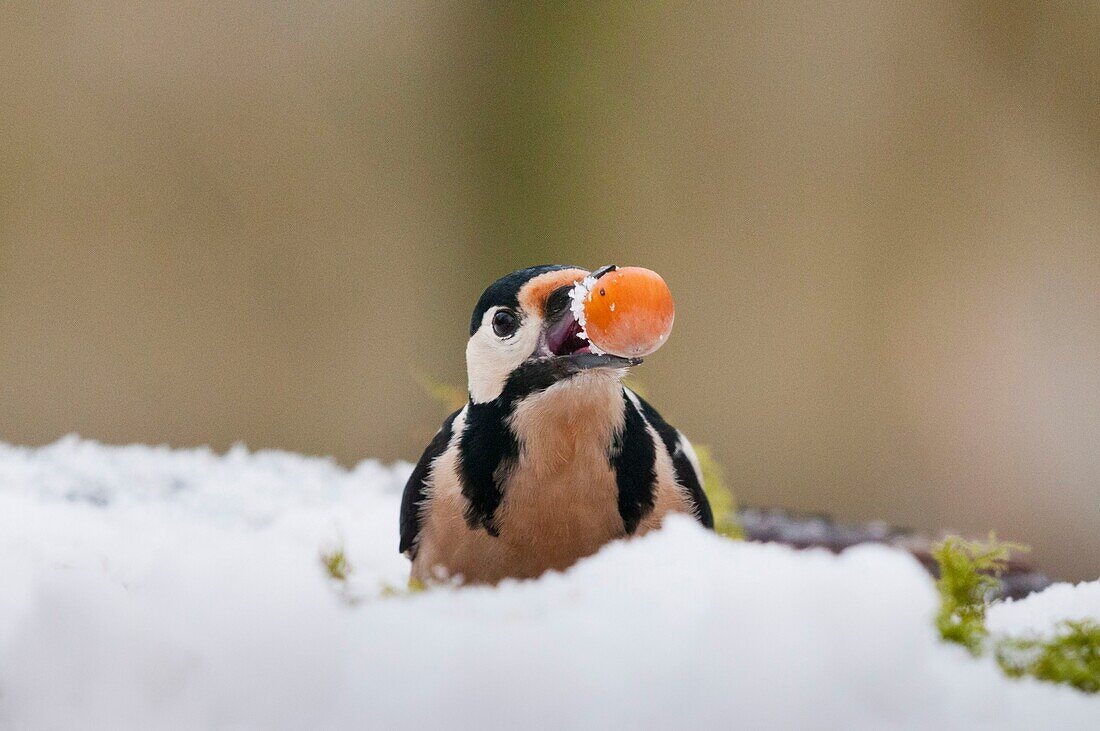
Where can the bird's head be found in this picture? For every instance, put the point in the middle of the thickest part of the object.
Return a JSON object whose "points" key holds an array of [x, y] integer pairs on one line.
{"points": [[523, 335]]}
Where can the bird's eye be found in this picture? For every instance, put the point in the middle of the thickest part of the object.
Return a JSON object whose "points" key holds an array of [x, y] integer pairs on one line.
{"points": [[505, 323]]}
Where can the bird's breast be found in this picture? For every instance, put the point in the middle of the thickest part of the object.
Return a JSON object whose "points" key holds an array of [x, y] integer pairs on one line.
{"points": [[570, 424], [561, 498]]}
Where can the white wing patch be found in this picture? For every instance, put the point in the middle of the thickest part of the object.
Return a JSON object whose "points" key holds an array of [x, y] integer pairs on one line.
{"points": [[685, 446]]}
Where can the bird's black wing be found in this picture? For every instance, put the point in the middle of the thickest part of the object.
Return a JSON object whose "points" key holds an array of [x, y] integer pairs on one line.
{"points": [[418, 482], [683, 461], [633, 456]]}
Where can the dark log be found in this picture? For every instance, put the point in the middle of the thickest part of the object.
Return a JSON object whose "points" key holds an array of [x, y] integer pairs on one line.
{"points": [[808, 530]]}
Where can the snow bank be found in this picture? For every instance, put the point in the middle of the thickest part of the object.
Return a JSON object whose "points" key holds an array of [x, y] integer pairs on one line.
{"points": [[146, 588], [1039, 613]]}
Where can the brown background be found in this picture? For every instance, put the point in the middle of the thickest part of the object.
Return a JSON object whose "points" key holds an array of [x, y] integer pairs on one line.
{"points": [[881, 222]]}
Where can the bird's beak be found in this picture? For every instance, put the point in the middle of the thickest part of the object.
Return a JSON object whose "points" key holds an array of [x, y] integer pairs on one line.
{"points": [[562, 342], [584, 361]]}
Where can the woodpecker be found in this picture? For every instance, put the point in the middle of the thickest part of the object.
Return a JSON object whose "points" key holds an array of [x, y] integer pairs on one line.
{"points": [[551, 457]]}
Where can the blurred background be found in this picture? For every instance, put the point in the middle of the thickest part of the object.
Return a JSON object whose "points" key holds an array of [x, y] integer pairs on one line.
{"points": [[269, 222]]}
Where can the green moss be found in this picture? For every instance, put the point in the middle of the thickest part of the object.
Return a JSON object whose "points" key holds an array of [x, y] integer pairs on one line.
{"points": [[336, 564], [389, 591], [969, 578], [722, 503], [1071, 656]]}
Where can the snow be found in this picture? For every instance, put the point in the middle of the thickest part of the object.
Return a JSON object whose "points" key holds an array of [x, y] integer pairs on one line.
{"points": [[578, 296], [145, 588], [1040, 613]]}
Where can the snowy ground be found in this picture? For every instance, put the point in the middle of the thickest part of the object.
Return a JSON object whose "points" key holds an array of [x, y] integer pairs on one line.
{"points": [[144, 588]]}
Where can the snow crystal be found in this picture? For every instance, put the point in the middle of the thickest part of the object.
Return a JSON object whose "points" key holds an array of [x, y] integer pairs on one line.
{"points": [[146, 588], [578, 296]]}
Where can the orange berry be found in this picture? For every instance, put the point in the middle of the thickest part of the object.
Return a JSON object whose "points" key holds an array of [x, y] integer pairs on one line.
{"points": [[629, 312]]}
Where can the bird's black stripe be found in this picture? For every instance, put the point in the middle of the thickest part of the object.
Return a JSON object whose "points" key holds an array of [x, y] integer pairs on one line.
{"points": [[488, 448], [532, 376], [634, 457], [417, 484], [685, 471], [488, 452]]}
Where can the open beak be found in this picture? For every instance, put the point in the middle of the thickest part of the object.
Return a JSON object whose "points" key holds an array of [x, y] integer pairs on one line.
{"points": [[562, 340]]}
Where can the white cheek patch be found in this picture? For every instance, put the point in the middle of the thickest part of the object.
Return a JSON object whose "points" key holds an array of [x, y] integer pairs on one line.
{"points": [[490, 359]]}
